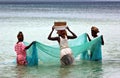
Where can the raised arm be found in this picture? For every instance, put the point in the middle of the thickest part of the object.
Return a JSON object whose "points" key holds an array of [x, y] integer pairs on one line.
{"points": [[88, 37], [73, 34], [52, 38], [102, 40]]}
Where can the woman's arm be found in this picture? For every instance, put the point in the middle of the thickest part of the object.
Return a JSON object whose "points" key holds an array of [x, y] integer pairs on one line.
{"points": [[102, 40], [52, 38], [73, 34], [27, 47], [88, 37]]}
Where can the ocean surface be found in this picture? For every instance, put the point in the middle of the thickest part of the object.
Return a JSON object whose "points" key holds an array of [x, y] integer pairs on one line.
{"points": [[35, 20]]}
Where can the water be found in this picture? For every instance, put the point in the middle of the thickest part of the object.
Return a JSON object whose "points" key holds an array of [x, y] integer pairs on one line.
{"points": [[36, 20]]}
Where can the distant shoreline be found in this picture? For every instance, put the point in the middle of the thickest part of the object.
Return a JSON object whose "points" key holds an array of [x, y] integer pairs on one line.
{"points": [[43, 2]]}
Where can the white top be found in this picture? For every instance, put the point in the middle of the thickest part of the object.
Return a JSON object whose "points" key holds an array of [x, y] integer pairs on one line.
{"points": [[63, 42]]}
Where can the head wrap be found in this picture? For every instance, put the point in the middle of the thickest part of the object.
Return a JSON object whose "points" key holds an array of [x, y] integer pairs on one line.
{"points": [[93, 28]]}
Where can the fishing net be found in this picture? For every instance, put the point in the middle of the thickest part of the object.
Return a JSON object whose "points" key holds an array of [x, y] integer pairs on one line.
{"points": [[40, 53]]}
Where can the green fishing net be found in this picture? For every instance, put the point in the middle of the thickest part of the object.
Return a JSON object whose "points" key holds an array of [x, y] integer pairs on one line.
{"points": [[82, 49]]}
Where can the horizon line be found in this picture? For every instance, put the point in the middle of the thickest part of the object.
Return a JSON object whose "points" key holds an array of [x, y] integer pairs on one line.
{"points": [[49, 1]]}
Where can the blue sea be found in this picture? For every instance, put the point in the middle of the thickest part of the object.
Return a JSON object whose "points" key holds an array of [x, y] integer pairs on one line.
{"points": [[35, 20]]}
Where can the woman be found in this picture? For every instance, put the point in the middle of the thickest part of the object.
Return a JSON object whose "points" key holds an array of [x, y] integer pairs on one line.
{"points": [[62, 38], [94, 33], [20, 49]]}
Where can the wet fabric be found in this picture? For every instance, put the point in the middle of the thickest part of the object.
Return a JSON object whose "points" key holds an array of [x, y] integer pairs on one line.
{"points": [[40, 53]]}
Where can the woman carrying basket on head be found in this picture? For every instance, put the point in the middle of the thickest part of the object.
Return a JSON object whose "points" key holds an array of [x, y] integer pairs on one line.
{"points": [[66, 56]]}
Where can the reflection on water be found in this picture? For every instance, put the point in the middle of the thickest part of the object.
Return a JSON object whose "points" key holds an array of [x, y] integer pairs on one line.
{"points": [[64, 72], [82, 69], [20, 71]]}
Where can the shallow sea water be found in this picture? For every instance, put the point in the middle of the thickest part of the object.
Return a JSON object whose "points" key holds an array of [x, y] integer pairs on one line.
{"points": [[36, 21]]}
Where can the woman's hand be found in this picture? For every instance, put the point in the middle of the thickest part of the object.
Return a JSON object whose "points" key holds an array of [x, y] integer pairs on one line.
{"points": [[33, 42], [53, 28], [67, 28]]}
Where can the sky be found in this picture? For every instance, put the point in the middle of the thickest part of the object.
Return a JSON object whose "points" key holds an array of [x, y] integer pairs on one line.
{"points": [[52, 0]]}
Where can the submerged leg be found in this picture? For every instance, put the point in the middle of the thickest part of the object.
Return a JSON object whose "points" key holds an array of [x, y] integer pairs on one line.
{"points": [[67, 59]]}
